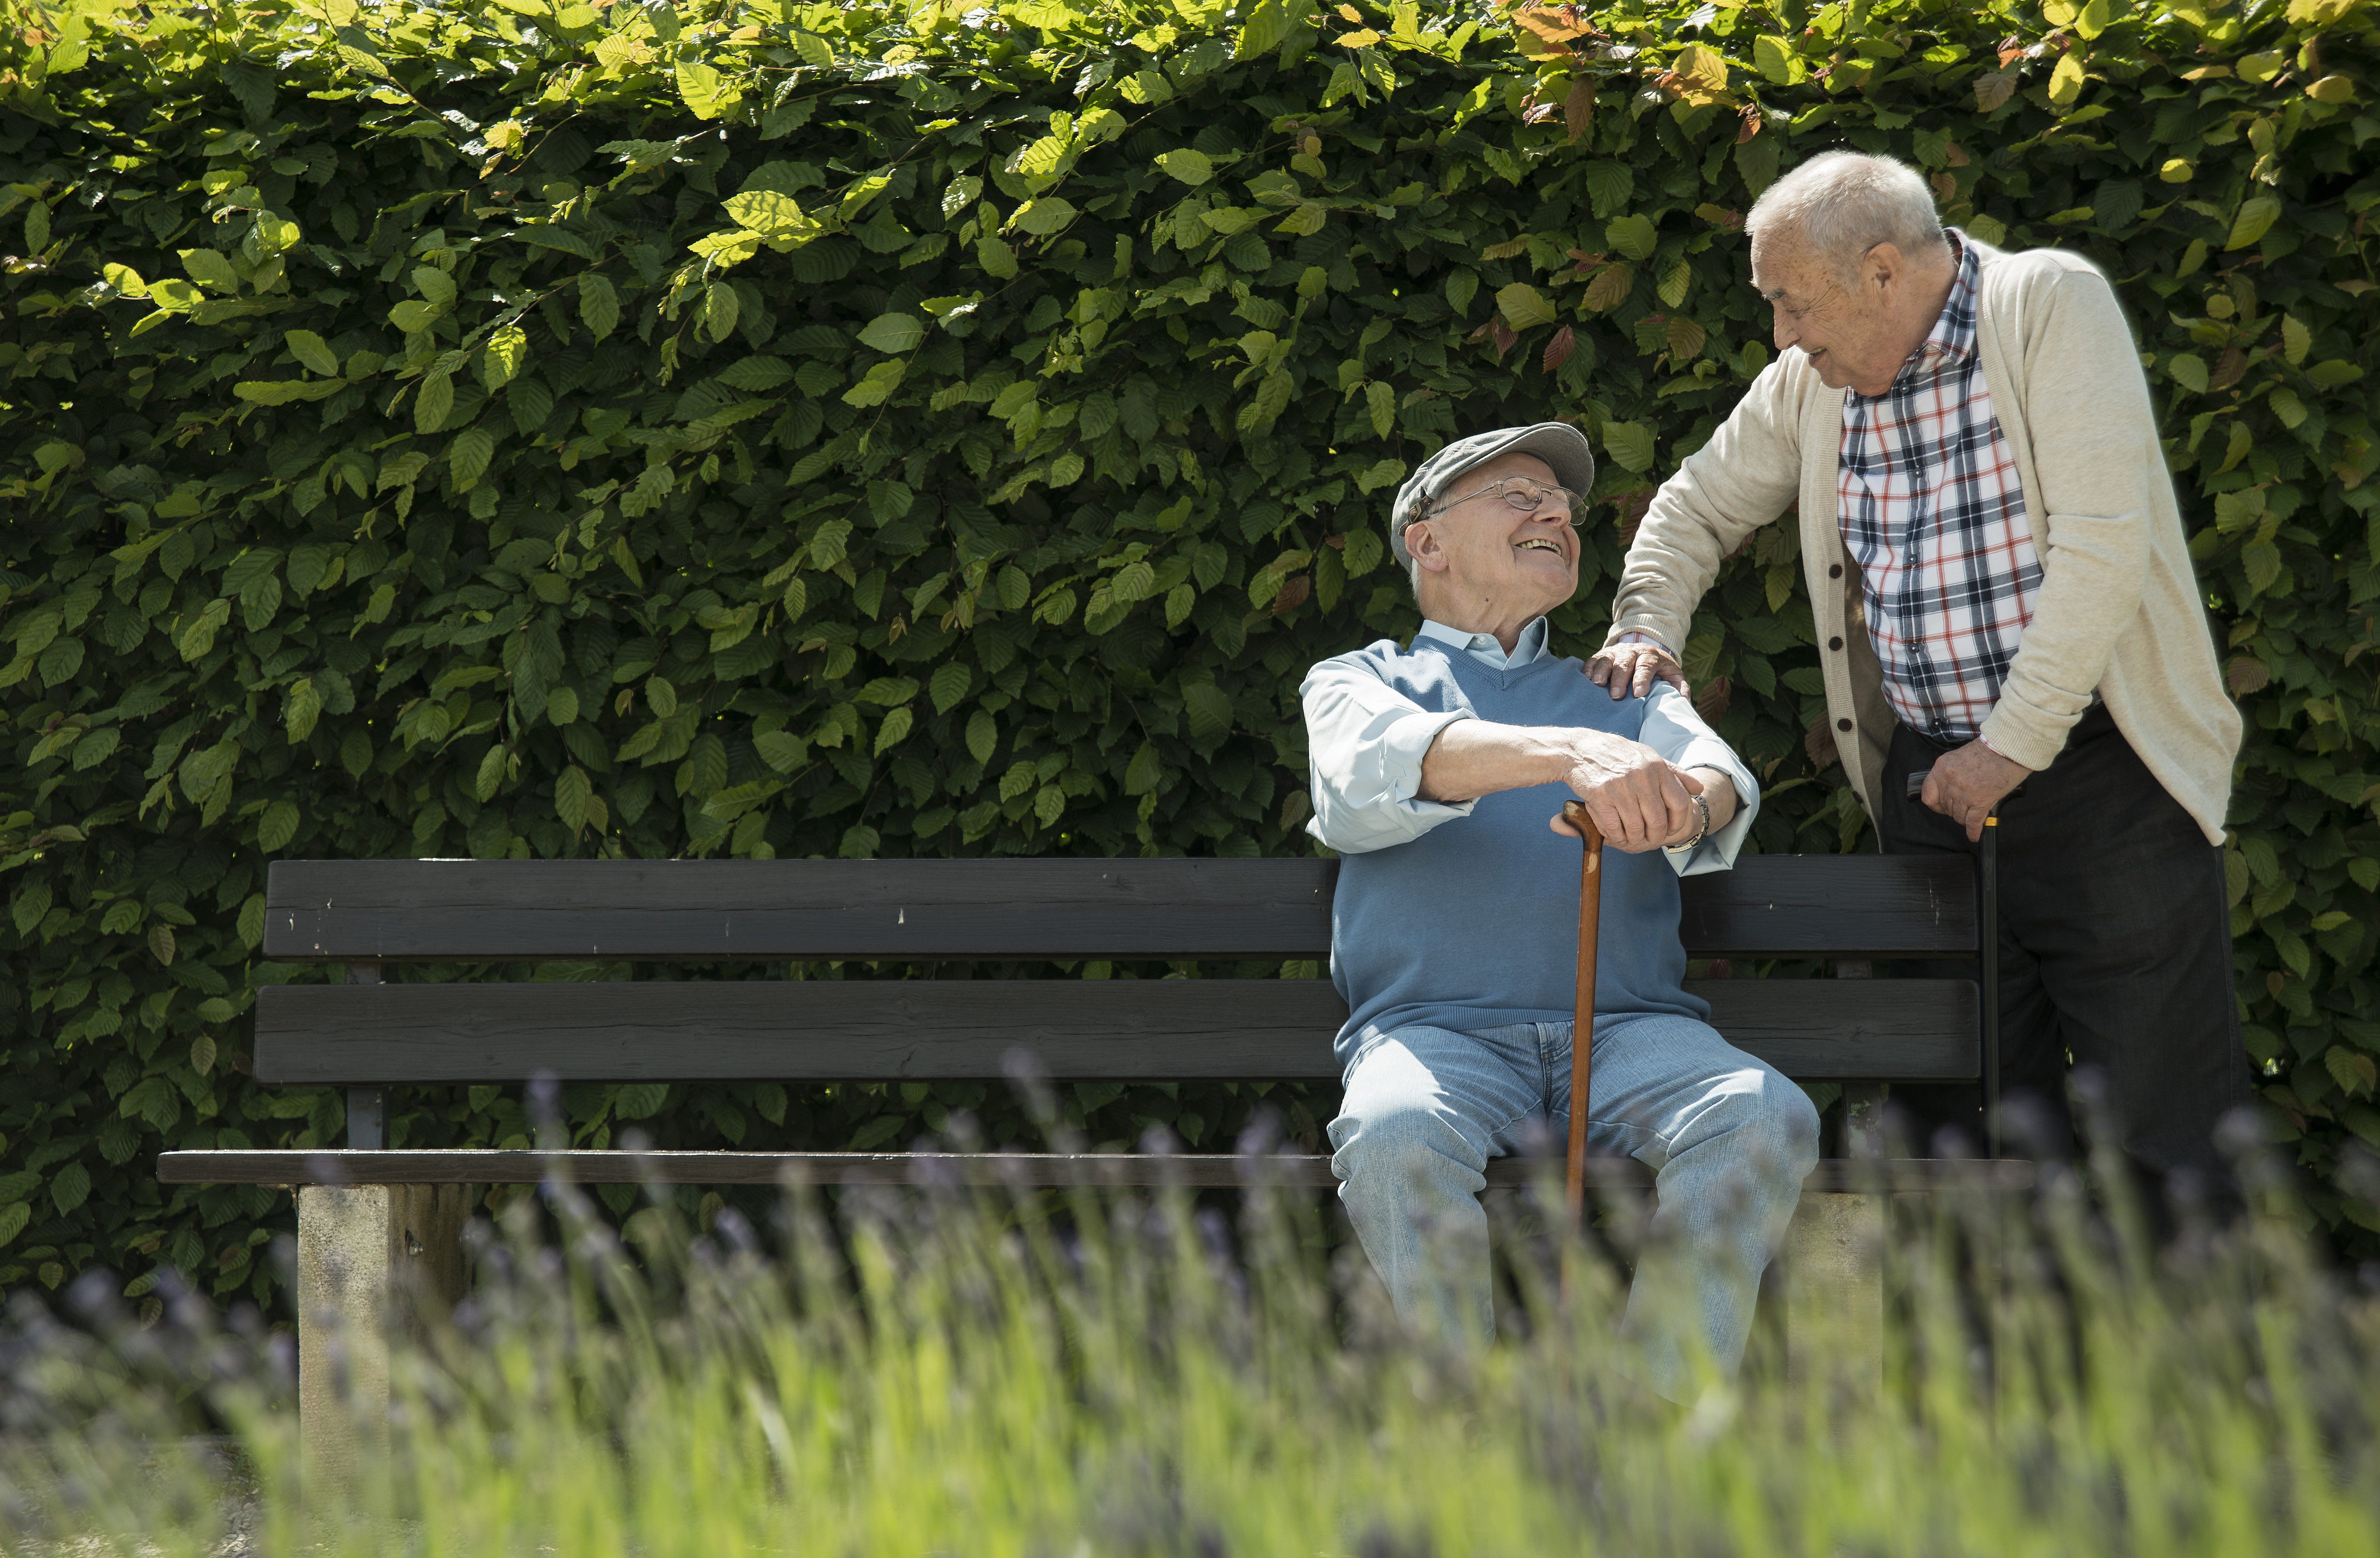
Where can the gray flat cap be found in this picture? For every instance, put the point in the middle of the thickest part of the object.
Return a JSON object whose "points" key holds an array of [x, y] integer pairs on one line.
{"points": [[1559, 444]]}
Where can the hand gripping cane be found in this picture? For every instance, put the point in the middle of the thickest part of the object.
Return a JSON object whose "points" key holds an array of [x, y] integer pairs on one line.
{"points": [[1582, 1040]]}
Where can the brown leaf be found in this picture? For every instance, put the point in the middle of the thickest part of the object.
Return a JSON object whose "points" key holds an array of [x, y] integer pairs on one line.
{"points": [[1631, 508], [1337, 542], [1748, 129], [1720, 217], [1610, 287], [1537, 113], [1711, 703], [1586, 261], [1558, 350], [1945, 187], [1819, 742], [1686, 339], [1502, 335], [1994, 88], [1578, 108], [2229, 369], [1555, 24], [1506, 250], [2247, 673], [1293, 595], [1956, 154], [2011, 50]]}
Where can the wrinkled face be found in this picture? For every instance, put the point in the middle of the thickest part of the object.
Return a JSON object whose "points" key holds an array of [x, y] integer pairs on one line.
{"points": [[1482, 551], [1843, 318]]}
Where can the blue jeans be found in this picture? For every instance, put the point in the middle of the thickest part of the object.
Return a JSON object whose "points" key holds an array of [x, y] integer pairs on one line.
{"points": [[1729, 1138]]}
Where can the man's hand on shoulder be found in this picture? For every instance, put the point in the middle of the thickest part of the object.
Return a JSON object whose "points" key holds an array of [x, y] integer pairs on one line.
{"points": [[1632, 669]]}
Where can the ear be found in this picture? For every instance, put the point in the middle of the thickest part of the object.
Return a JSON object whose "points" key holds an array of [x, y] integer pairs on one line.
{"points": [[1884, 266], [1421, 540]]}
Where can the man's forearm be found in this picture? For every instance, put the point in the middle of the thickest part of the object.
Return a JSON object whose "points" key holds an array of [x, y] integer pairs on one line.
{"points": [[1474, 757]]}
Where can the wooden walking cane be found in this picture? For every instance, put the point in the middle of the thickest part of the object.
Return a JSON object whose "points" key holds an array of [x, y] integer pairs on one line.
{"points": [[1581, 1038]]}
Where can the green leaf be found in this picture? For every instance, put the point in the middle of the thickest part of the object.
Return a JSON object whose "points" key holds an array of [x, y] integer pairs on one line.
{"points": [[501, 359], [599, 305], [1522, 306], [1193, 168], [771, 214], [1208, 709], [277, 826], [1633, 236], [703, 91], [210, 269], [469, 455], [2253, 220], [894, 729], [433, 402], [1629, 444], [1773, 59], [996, 257], [32, 901], [70, 1187], [491, 776], [285, 392], [1043, 217], [574, 793], [894, 334], [312, 351], [949, 684], [2066, 77], [982, 734]]}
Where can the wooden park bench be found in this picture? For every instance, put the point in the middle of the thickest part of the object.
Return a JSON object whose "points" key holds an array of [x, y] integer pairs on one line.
{"points": [[366, 1213]]}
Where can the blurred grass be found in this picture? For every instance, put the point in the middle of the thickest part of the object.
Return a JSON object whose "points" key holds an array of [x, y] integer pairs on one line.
{"points": [[1124, 1375]]}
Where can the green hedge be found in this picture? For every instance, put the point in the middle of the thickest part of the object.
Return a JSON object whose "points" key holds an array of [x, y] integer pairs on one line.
{"points": [[844, 430]]}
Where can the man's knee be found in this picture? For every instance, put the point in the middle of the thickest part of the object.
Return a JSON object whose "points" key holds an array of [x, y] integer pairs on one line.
{"points": [[1395, 1140], [1770, 1121]]}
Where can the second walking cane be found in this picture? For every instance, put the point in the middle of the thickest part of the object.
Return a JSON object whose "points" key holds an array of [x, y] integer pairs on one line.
{"points": [[1581, 1036]]}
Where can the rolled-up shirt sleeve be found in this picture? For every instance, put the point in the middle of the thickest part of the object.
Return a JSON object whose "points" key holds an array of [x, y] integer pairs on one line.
{"points": [[1674, 729], [1366, 741]]}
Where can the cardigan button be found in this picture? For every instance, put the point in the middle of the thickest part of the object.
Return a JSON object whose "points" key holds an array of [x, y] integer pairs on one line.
{"points": [[1835, 572], [1834, 643], [1842, 725]]}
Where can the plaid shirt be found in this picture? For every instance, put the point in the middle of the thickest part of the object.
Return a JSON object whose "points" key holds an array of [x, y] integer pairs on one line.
{"points": [[1933, 514]]}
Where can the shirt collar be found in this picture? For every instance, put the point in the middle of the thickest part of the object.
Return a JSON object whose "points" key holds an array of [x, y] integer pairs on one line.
{"points": [[1953, 339], [1529, 648]]}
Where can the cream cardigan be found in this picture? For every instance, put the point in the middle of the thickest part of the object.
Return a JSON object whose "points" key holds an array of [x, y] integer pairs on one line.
{"points": [[2119, 611]]}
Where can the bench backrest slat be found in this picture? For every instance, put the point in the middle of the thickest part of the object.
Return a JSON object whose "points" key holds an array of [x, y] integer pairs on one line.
{"points": [[343, 911], [831, 1030]]}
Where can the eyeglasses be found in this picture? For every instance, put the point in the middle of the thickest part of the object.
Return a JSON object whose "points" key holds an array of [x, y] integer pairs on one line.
{"points": [[1521, 495]]}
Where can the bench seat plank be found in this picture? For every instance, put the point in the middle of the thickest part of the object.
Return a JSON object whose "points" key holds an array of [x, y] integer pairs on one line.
{"points": [[345, 911], [920, 1029], [1193, 1170]]}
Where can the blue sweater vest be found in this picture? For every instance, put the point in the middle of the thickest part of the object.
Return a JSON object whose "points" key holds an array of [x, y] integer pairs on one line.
{"points": [[1475, 924]]}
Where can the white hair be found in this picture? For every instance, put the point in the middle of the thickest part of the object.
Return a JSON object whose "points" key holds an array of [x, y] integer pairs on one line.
{"points": [[1844, 203]]}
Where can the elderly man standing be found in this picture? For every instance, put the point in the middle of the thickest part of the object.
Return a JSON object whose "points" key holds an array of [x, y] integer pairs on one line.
{"points": [[2003, 598], [1436, 771]]}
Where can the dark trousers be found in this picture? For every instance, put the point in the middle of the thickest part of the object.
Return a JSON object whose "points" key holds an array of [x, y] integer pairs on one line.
{"points": [[2115, 952]]}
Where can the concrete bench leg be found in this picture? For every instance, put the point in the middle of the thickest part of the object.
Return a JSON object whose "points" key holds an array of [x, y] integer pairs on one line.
{"points": [[1834, 1289], [373, 1260]]}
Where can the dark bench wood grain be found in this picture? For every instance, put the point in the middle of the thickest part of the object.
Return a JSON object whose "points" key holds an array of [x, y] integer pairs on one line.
{"points": [[347, 911], [849, 1031]]}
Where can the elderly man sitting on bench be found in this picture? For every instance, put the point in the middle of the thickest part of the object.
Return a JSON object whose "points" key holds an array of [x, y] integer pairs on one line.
{"points": [[1436, 770]]}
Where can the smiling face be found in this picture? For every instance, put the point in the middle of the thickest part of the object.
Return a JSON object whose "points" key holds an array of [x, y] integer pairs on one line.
{"points": [[1858, 324], [1486, 568]]}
